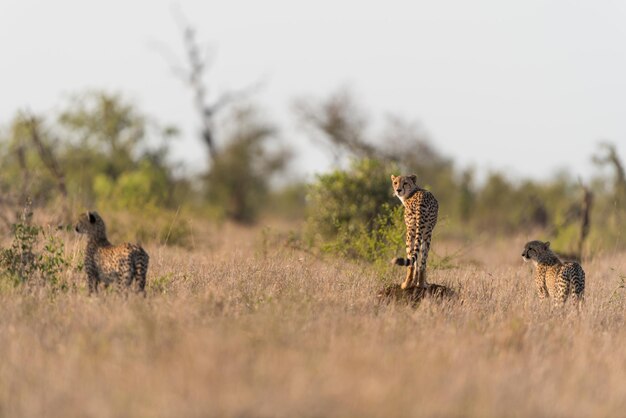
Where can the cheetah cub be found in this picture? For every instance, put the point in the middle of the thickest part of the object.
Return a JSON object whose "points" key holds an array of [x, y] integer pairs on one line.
{"points": [[107, 263], [420, 216], [554, 278]]}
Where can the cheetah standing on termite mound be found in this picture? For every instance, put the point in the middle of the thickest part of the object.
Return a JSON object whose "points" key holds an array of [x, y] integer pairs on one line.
{"points": [[420, 216], [554, 278], [107, 263]]}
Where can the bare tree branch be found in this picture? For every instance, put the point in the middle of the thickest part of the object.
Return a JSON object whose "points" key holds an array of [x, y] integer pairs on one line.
{"points": [[610, 157], [20, 152], [199, 60], [171, 59], [343, 127], [340, 123], [50, 161], [585, 218], [47, 157]]}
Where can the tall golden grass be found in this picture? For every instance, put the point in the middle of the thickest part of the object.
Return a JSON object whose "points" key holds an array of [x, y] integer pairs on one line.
{"points": [[241, 326]]}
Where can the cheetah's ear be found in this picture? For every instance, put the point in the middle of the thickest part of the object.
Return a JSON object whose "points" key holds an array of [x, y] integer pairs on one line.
{"points": [[413, 177], [393, 177], [92, 217], [547, 244]]}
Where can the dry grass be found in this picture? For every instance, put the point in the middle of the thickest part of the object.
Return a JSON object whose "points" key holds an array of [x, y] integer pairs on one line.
{"points": [[242, 327]]}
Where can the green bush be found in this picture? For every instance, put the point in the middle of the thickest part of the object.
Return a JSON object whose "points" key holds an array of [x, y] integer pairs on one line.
{"points": [[377, 242], [353, 213], [100, 150], [349, 199], [136, 189], [35, 253]]}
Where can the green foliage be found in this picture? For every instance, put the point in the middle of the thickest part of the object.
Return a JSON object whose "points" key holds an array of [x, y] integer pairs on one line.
{"points": [[377, 242], [354, 214], [110, 155], [136, 189], [352, 199], [52, 261], [107, 126], [23, 173], [19, 261], [34, 254]]}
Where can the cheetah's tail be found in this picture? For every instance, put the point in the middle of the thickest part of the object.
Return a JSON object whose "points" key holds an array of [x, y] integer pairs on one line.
{"points": [[141, 269], [399, 261]]}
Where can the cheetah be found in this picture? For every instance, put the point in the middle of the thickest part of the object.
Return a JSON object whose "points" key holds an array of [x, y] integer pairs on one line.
{"points": [[420, 216], [107, 263], [554, 279]]}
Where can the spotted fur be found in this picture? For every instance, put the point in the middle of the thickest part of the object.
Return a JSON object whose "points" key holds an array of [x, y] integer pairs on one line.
{"points": [[420, 216], [122, 265], [554, 279]]}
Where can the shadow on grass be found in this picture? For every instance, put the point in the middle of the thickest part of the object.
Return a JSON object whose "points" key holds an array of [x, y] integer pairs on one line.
{"points": [[413, 295]]}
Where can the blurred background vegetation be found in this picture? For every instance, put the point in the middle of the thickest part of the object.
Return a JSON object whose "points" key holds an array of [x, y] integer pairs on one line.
{"points": [[101, 151]]}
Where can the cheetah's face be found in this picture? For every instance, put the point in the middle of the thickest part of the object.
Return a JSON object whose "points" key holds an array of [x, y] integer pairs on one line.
{"points": [[403, 185], [89, 223], [533, 249]]}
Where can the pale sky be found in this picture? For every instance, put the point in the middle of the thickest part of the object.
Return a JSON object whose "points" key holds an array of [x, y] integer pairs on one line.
{"points": [[527, 87]]}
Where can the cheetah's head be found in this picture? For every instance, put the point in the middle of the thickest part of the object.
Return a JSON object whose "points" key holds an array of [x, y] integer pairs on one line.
{"points": [[403, 185], [90, 223], [533, 249]]}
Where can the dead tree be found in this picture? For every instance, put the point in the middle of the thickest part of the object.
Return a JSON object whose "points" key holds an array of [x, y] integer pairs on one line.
{"points": [[538, 213], [47, 156], [585, 216], [610, 157], [196, 69], [340, 124], [50, 161], [578, 212], [192, 75], [20, 153]]}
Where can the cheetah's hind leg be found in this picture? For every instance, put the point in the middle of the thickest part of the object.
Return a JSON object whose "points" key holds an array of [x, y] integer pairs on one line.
{"points": [[410, 271], [141, 270]]}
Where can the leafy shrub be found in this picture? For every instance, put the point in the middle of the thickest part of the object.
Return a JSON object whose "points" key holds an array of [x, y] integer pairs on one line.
{"points": [[135, 189], [34, 254], [377, 242], [353, 213], [101, 149], [349, 199]]}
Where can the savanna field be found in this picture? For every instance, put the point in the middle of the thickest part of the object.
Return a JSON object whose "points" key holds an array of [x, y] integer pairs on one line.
{"points": [[241, 323], [262, 292], [285, 183]]}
